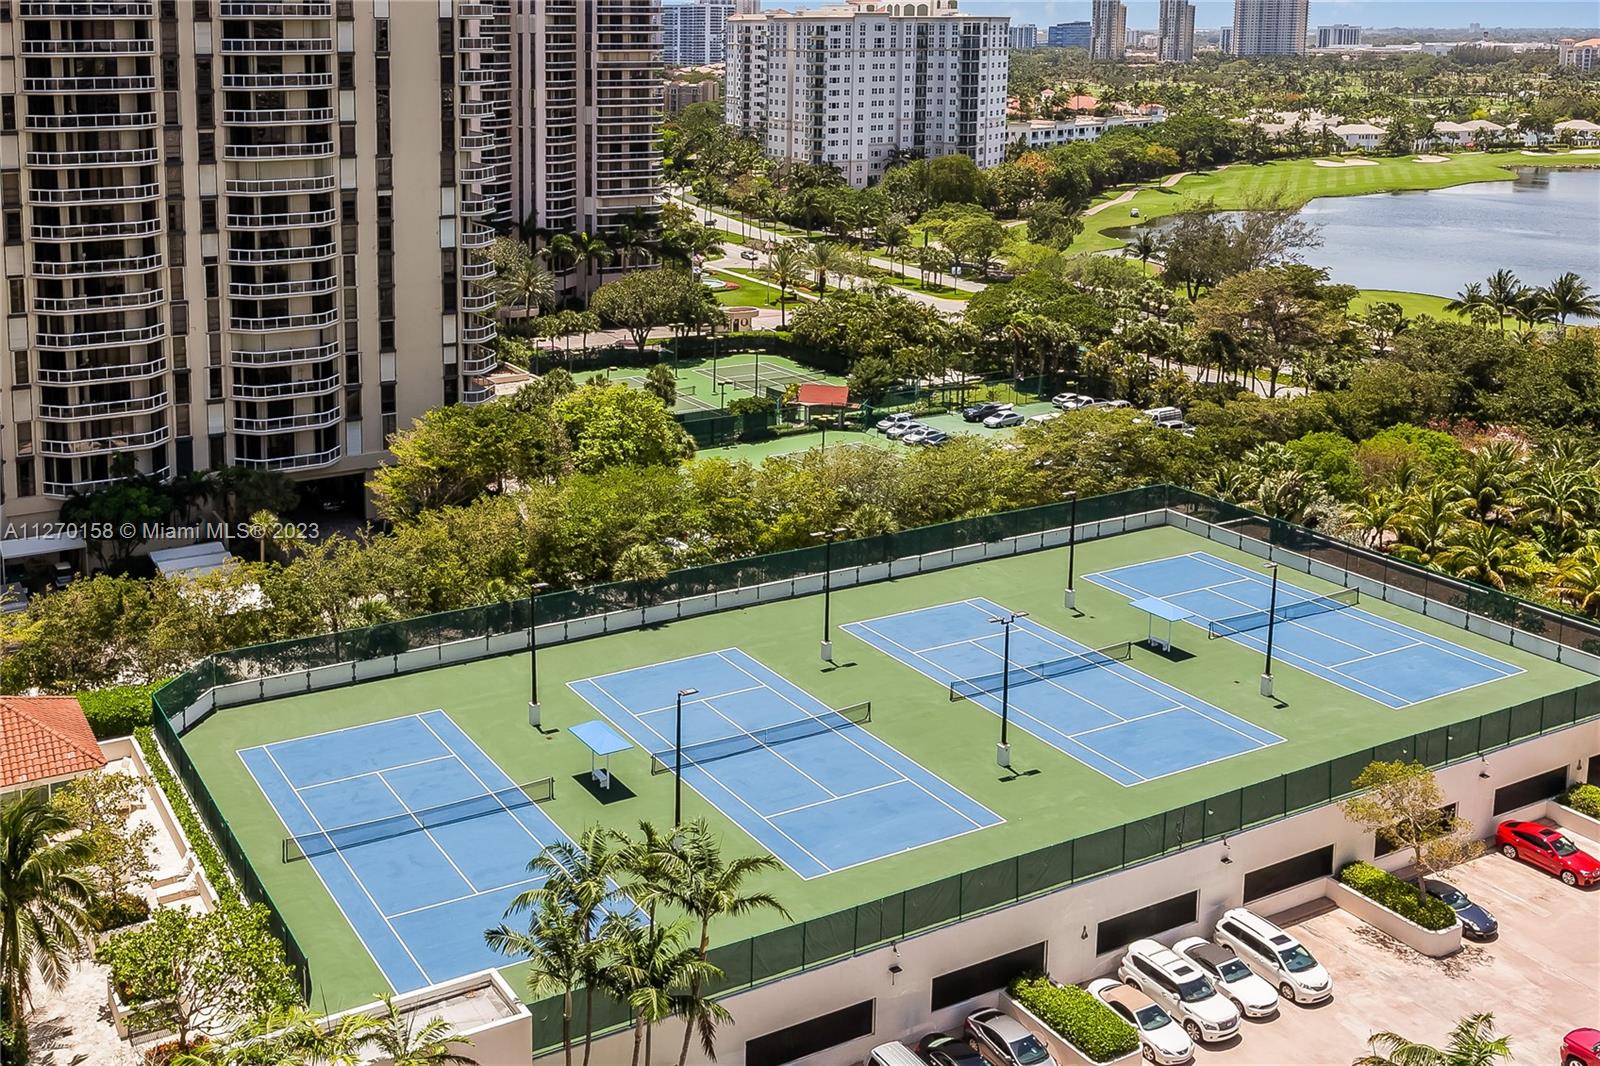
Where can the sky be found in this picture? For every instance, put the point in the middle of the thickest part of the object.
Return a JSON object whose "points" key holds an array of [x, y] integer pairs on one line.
{"points": [[1210, 14]]}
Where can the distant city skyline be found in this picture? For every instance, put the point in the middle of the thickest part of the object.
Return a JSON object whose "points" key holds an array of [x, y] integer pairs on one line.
{"points": [[1209, 14]]}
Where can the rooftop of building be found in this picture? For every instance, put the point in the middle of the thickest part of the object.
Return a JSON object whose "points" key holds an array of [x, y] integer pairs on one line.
{"points": [[44, 738]]}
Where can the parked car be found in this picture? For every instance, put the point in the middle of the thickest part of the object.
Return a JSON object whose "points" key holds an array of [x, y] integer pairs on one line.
{"points": [[935, 437], [1003, 1037], [1041, 419], [942, 1049], [1160, 1038], [894, 1053], [1476, 922], [1544, 847], [899, 432], [748, 253], [979, 411], [916, 433], [1003, 420], [1164, 414], [1113, 405], [1061, 399], [1079, 403], [1275, 955], [1253, 996], [1581, 1047], [886, 424], [1182, 989]]}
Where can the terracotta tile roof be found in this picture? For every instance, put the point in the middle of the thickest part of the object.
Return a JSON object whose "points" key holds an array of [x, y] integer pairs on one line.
{"points": [[44, 737], [818, 395]]}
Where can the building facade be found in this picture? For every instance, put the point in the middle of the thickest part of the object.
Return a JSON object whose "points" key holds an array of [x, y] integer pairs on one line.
{"points": [[861, 86], [1339, 35], [1068, 35], [692, 34], [1269, 27], [1108, 29], [1041, 133], [1584, 55], [1024, 36], [1175, 36], [586, 93], [1225, 40], [678, 95], [201, 204]]}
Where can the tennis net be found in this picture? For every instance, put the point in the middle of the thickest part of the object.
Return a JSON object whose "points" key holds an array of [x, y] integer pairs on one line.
{"points": [[506, 800], [1244, 623], [991, 684], [661, 762]]}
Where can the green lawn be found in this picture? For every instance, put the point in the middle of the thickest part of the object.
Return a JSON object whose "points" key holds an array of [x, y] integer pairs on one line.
{"points": [[1299, 180], [1063, 799], [1413, 303], [746, 293]]}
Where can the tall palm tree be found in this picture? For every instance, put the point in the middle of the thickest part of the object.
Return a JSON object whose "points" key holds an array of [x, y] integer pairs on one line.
{"points": [[558, 955], [1144, 245], [562, 252], [651, 967], [894, 233], [524, 283], [786, 265], [1577, 580], [1501, 293], [404, 1041], [1532, 309], [1472, 1043], [1467, 299], [1483, 553], [1570, 295], [706, 885], [1378, 515], [590, 251], [824, 258], [45, 897]]}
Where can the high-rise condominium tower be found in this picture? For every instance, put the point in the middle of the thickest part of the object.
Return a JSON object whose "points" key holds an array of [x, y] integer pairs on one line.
{"points": [[246, 232], [1269, 27], [1108, 29], [587, 99], [858, 86], [1175, 37]]}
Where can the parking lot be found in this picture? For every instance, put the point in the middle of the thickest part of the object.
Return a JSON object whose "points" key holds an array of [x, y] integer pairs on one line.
{"points": [[1539, 978]]}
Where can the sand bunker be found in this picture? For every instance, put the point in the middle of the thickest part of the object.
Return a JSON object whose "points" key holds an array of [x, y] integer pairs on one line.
{"points": [[1345, 163], [1584, 151], [1432, 159]]}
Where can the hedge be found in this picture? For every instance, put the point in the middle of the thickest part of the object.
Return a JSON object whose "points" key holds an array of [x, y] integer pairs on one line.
{"points": [[205, 849], [1086, 1023], [117, 711], [1585, 799], [1387, 890]]}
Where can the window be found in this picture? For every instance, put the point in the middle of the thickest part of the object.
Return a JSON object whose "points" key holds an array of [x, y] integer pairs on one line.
{"points": [[1124, 929], [986, 976], [1547, 785], [1594, 768], [811, 1036], [1297, 870], [17, 290]]}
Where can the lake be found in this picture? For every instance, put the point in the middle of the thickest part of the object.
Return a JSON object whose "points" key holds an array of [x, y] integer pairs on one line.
{"points": [[1541, 225]]}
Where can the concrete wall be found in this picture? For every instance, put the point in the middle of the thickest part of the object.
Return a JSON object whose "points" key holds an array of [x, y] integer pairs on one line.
{"points": [[1066, 919]]}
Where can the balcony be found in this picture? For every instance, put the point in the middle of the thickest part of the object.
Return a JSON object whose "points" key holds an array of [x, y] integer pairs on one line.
{"points": [[479, 363], [309, 253], [131, 83], [105, 445], [116, 301], [106, 338], [287, 220], [275, 46], [114, 157], [95, 231], [90, 46], [476, 270], [475, 207], [284, 356], [481, 333], [93, 375], [283, 9], [83, 412], [476, 237], [288, 423], [301, 461], [64, 489], [87, 9], [283, 116], [86, 268], [266, 290], [280, 323], [476, 393], [111, 120], [309, 150], [275, 186], [308, 79], [286, 390]]}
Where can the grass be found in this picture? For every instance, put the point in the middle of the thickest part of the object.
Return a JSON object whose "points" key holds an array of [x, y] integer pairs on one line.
{"points": [[1300, 180], [746, 293], [956, 741], [1412, 303]]}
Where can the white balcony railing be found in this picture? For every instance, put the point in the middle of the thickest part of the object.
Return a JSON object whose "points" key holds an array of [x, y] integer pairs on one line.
{"points": [[282, 323], [278, 186], [105, 445], [95, 231], [308, 150], [284, 221], [107, 338], [295, 254], [305, 79], [64, 489], [129, 83], [285, 390], [284, 116], [83, 412], [266, 290], [288, 423], [95, 194], [108, 157], [89, 46], [115, 301], [92, 375], [315, 353], [92, 120], [304, 461], [266, 46], [136, 264]]}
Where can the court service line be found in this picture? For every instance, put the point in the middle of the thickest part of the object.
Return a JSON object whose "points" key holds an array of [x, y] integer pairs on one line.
{"points": [[428, 833], [482, 784], [369, 773], [700, 698], [836, 798], [470, 895]]}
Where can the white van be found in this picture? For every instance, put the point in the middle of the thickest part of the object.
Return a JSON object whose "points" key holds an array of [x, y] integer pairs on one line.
{"points": [[1179, 986], [893, 1053], [1275, 955]]}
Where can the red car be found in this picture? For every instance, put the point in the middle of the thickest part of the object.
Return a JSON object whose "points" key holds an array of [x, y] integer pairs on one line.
{"points": [[1581, 1048], [1544, 847]]}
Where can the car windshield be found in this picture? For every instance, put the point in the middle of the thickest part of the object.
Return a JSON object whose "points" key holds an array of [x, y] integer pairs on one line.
{"points": [[1233, 970], [1028, 1051], [1195, 991], [1152, 1017], [1297, 959], [1563, 846], [1452, 896]]}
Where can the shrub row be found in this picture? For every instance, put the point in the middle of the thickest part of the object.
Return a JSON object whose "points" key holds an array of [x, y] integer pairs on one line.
{"points": [[117, 711], [1585, 799], [1387, 890], [1084, 1021], [205, 849]]}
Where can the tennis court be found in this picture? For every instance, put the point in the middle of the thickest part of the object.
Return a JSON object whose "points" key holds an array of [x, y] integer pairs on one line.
{"points": [[1328, 636], [421, 840], [703, 384], [1088, 703], [805, 780]]}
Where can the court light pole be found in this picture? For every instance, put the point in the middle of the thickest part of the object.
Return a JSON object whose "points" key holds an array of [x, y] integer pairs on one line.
{"points": [[677, 759], [534, 588], [1071, 598], [1272, 621], [827, 536], [1002, 751]]}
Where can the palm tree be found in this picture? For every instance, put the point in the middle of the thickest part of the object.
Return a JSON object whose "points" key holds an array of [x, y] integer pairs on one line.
{"points": [[651, 967], [564, 253], [894, 234], [823, 258], [1501, 293], [558, 955], [524, 283], [785, 263], [1577, 580], [1532, 308], [589, 251], [1467, 299], [706, 885], [1144, 245], [1472, 1043], [1561, 497], [1569, 295], [45, 898], [1377, 516], [1483, 553], [402, 1041]]}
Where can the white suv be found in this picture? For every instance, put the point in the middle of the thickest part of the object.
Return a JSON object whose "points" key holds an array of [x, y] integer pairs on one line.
{"points": [[1254, 997], [1179, 986], [1275, 955]]}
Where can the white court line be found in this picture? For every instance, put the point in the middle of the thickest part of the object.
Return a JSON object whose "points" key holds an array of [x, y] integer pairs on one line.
{"points": [[481, 783], [833, 798], [702, 698], [470, 895], [341, 729], [370, 773], [428, 833], [1378, 654]]}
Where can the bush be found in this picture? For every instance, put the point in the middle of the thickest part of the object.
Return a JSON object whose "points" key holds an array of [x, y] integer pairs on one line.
{"points": [[1585, 799], [1084, 1021], [750, 405], [1387, 890], [205, 849], [116, 913], [117, 711]]}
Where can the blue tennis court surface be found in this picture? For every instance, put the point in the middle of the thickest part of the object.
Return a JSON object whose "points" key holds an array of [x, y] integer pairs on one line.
{"points": [[820, 793], [419, 837], [1111, 717], [1386, 661]]}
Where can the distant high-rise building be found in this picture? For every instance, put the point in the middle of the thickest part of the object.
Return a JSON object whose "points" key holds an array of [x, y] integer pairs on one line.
{"points": [[1175, 38], [1024, 36], [1068, 35], [1108, 29], [1339, 35], [1584, 55], [1269, 27], [1225, 40], [681, 94], [692, 33]]}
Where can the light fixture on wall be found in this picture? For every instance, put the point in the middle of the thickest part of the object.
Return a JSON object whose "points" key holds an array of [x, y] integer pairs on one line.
{"points": [[1227, 859], [895, 971], [1085, 934], [1483, 767]]}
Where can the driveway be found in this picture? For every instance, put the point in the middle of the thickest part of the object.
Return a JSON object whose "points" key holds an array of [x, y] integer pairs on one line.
{"points": [[1539, 977]]}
